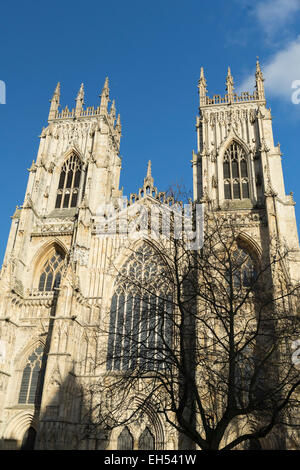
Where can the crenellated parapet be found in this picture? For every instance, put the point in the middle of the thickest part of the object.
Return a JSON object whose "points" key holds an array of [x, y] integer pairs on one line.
{"points": [[58, 113]]}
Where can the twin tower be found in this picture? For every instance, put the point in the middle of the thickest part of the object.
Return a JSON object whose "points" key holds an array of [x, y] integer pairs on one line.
{"points": [[55, 281]]}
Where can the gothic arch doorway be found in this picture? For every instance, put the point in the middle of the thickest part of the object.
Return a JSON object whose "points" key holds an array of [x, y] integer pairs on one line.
{"points": [[28, 440]]}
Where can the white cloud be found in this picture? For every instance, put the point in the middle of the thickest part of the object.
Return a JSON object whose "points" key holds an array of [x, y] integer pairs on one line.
{"points": [[280, 73], [275, 14]]}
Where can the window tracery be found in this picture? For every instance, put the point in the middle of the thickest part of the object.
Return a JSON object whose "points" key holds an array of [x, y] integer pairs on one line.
{"points": [[241, 269], [235, 173], [69, 183], [140, 329], [31, 376], [51, 273]]}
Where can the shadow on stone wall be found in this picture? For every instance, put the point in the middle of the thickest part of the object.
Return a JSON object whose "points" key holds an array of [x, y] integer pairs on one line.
{"points": [[66, 422]]}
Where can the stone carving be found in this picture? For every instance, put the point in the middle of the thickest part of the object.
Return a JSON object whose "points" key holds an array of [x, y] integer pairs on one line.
{"points": [[263, 146], [81, 255], [252, 116], [214, 182]]}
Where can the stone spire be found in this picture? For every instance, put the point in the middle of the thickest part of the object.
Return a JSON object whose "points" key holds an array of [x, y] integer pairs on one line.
{"points": [[79, 101], [259, 81], [202, 87], [55, 102], [229, 85], [104, 96]]}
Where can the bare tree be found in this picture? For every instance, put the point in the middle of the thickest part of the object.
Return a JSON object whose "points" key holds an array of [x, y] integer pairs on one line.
{"points": [[204, 335]]}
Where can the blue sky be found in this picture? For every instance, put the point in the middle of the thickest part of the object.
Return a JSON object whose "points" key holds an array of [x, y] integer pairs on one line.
{"points": [[152, 53]]}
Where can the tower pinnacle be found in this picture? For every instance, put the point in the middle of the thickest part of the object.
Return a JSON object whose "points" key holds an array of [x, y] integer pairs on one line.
{"points": [[118, 123], [112, 113], [149, 170], [202, 87], [229, 86], [259, 81], [55, 102], [104, 96], [148, 181], [79, 101]]}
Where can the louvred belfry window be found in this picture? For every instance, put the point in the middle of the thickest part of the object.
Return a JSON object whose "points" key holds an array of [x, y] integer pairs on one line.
{"points": [[51, 273], [235, 173], [69, 182]]}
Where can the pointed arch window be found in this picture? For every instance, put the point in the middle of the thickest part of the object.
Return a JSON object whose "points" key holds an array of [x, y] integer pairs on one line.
{"points": [[125, 440], [69, 183], [141, 323], [31, 378], [242, 269], [235, 173], [51, 273], [146, 440], [244, 370]]}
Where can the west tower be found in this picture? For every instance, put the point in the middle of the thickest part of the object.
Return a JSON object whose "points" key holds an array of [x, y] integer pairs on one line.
{"points": [[46, 264], [237, 167]]}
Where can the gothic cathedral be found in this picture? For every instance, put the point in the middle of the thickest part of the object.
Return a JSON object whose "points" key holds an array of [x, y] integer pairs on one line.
{"points": [[55, 282]]}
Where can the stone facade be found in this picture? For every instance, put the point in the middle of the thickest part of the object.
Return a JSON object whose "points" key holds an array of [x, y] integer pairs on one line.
{"points": [[49, 226]]}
